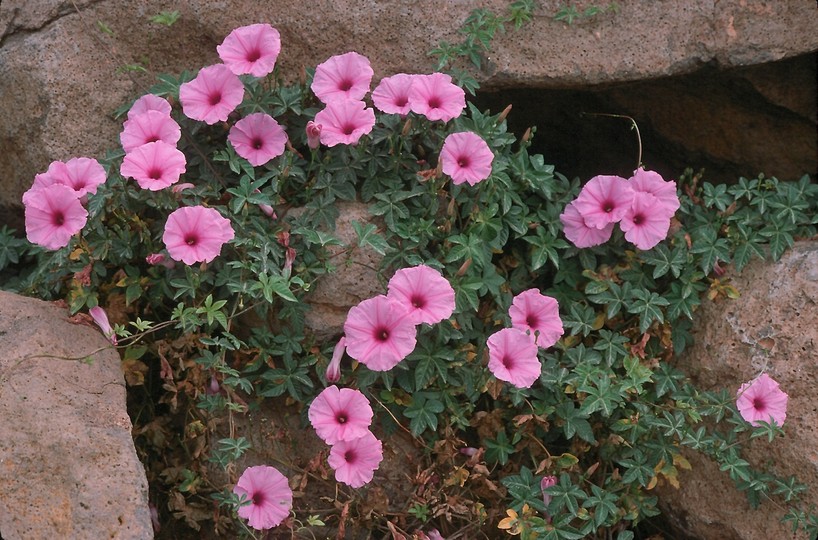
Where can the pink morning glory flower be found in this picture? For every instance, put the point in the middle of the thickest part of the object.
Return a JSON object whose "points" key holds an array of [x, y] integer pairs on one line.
{"points": [[333, 373], [313, 135], [340, 414], [513, 357], [149, 102], [251, 49], [436, 97], [355, 461], [579, 233], [653, 183], [81, 174], [466, 158], [646, 223], [154, 165], [258, 138], [53, 214], [150, 126], [344, 121], [101, 320], [539, 314], [379, 333], [212, 95], [761, 400], [196, 234], [269, 494], [343, 76], [392, 94], [427, 296], [604, 200]]}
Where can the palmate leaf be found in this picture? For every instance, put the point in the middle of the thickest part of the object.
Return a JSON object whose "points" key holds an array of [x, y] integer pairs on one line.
{"points": [[664, 261], [745, 252], [423, 412], [614, 298], [711, 249], [649, 307], [524, 488]]}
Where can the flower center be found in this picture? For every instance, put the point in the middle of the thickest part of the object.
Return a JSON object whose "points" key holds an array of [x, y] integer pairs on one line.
{"points": [[191, 239], [258, 498], [607, 207], [153, 138], [759, 404], [215, 98], [507, 362], [418, 301], [257, 143], [253, 55], [345, 85], [638, 219], [347, 129], [349, 456], [401, 102], [381, 334], [155, 174], [341, 418], [532, 321], [463, 162], [434, 103], [58, 218]]}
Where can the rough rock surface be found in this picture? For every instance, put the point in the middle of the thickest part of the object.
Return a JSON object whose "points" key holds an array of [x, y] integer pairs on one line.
{"points": [[356, 277], [771, 327], [62, 71], [68, 467]]}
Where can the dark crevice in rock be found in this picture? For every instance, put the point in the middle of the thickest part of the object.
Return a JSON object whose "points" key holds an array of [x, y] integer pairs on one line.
{"points": [[21, 30]]}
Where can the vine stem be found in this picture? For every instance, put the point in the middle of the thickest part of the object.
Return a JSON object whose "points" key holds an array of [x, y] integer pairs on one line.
{"points": [[633, 123]]}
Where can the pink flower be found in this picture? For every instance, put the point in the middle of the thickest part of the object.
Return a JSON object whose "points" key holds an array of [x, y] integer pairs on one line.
{"points": [[513, 357], [155, 259], [344, 121], [340, 414], [251, 50], [545, 483], [392, 94], [653, 183], [154, 165], [269, 494], [380, 333], [101, 319], [761, 400], [82, 174], [343, 76], [466, 158], [212, 95], [313, 135], [579, 233], [149, 102], [150, 126], [333, 374], [646, 223], [604, 200], [195, 233], [53, 215], [355, 461], [436, 97], [539, 314], [426, 295], [258, 138]]}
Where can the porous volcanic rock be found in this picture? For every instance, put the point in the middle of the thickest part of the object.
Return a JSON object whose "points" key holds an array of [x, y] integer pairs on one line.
{"points": [[771, 328], [68, 467], [67, 65]]}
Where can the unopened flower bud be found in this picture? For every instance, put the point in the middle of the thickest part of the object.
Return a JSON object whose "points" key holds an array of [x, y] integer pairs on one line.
{"points": [[333, 374], [468, 451], [526, 136], [545, 483], [159, 259], [289, 258], [313, 135], [177, 188], [213, 387], [504, 114], [101, 318], [407, 127]]}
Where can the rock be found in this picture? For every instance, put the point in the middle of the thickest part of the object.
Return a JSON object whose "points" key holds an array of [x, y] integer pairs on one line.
{"points": [[68, 467], [771, 327], [66, 69], [356, 277]]}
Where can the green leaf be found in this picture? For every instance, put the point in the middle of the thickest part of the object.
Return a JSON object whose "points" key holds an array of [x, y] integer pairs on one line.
{"points": [[368, 236], [423, 411], [614, 298], [664, 261], [649, 307], [524, 488]]}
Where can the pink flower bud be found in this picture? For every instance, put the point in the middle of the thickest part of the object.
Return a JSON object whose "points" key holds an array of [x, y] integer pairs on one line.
{"points": [[101, 318], [181, 187], [545, 483], [468, 451], [213, 387], [313, 135], [333, 374], [159, 258], [289, 258]]}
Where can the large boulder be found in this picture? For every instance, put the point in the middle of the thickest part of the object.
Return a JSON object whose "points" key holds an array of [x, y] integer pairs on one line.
{"points": [[771, 328], [67, 65], [68, 467]]}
